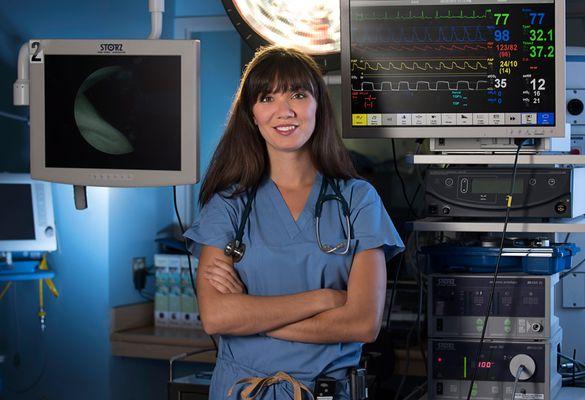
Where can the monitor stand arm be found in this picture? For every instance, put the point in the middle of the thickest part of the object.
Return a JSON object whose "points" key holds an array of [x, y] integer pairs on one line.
{"points": [[80, 197], [7, 259]]}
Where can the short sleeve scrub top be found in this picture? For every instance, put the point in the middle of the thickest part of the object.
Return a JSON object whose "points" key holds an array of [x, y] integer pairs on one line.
{"points": [[282, 257]]}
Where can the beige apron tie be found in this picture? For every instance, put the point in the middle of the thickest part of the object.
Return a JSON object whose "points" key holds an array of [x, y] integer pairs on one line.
{"points": [[257, 385]]}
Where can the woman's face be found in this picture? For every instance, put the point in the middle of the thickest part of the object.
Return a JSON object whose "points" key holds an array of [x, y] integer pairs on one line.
{"points": [[285, 120]]}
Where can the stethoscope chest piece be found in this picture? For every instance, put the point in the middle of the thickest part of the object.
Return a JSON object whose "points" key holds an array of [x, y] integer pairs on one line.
{"points": [[235, 250]]}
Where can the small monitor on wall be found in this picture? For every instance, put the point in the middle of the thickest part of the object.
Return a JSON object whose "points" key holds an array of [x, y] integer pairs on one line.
{"points": [[453, 68], [114, 112], [26, 212]]}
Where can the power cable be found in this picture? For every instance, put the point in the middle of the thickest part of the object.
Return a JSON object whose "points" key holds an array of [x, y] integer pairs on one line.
{"points": [[394, 289], [402, 184], [568, 272], [188, 253], [16, 356], [407, 364], [416, 326], [497, 268], [419, 390], [518, 372], [419, 321]]}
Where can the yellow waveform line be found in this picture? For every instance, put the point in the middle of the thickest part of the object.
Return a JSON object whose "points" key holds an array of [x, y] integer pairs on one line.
{"points": [[426, 66]]}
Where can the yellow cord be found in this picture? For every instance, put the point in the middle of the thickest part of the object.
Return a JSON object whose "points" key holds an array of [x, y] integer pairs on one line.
{"points": [[41, 300], [5, 289], [43, 266]]}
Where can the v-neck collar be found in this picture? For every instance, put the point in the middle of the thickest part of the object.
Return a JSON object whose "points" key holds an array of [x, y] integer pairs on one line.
{"points": [[307, 214]]}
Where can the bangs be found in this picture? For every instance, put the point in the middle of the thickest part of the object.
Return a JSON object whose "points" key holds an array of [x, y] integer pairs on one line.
{"points": [[279, 75]]}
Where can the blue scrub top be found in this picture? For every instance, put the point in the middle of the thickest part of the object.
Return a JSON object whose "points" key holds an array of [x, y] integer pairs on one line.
{"points": [[282, 257]]}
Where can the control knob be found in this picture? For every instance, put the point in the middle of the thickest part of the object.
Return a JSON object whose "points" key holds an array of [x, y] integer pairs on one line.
{"points": [[526, 361]]}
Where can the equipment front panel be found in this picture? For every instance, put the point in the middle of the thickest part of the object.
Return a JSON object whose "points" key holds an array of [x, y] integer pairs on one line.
{"points": [[458, 305]]}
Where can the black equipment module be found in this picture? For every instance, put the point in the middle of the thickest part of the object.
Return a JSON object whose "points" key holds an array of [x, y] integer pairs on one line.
{"points": [[481, 192]]}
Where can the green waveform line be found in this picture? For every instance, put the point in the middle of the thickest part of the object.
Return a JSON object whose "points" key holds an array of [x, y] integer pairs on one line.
{"points": [[422, 16]]}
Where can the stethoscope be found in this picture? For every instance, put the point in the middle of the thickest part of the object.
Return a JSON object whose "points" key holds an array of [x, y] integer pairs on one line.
{"points": [[236, 248]]}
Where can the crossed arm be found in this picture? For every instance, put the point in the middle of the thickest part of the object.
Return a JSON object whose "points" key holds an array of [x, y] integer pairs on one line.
{"points": [[316, 316]]}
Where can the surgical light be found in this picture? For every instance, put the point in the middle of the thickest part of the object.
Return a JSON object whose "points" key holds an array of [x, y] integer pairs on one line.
{"points": [[312, 26]]}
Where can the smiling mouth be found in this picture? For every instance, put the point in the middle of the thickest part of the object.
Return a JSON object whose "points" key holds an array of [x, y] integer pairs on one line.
{"points": [[285, 129]]}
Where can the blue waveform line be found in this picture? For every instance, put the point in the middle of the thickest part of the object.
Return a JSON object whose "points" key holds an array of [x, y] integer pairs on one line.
{"points": [[412, 48], [452, 34]]}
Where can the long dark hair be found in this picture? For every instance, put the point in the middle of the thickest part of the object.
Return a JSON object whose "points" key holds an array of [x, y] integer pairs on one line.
{"points": [[241, 157]]}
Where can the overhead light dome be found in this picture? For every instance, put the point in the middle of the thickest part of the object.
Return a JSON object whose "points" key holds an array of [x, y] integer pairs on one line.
{"points": [[312, 26]]}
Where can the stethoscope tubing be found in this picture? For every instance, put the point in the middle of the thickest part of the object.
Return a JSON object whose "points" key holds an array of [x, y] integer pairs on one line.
{"points": [[236, 249]]}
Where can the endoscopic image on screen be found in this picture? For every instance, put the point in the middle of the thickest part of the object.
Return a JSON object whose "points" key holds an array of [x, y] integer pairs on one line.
{"points": [[113, 112]]}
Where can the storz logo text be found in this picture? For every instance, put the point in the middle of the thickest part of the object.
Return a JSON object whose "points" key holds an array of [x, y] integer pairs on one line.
{"points": [[111, 48]]}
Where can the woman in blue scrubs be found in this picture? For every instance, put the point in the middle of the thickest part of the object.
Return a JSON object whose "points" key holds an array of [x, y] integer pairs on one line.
{"points": [[287, 306]]}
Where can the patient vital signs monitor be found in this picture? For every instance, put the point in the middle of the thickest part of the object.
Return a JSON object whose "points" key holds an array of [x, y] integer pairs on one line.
{"points": [[26, 214], [114, 112], [453, 68]]}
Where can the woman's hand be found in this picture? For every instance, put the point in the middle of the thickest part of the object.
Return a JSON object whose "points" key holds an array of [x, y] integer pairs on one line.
{"points": [[223, 277]]}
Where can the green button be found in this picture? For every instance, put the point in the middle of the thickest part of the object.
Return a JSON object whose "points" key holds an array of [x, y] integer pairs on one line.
{"points": [[507, 322], [507, 329], [479, 321]]}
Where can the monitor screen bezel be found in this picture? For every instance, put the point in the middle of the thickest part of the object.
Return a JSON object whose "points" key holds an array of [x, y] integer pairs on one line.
{"points": [[351, 132], [188, 50], [42, 203]]}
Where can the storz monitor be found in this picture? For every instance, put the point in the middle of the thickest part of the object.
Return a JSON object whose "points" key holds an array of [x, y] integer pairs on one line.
{"points": [[26, 214], [453, 68], [114, 113]]}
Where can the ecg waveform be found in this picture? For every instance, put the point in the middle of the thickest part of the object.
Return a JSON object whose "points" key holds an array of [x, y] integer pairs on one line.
{"points": [[419, 65], [360, 17], [421, 86], [449, 56], [422, 34]]}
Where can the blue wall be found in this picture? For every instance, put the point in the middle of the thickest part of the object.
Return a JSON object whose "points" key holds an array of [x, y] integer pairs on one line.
{"points": [[200, 8], [220, 58], [96, 246], [74, 348]]}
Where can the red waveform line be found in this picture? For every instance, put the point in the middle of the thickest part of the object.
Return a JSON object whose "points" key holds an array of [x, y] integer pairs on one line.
{"points": [[426, 47]]}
